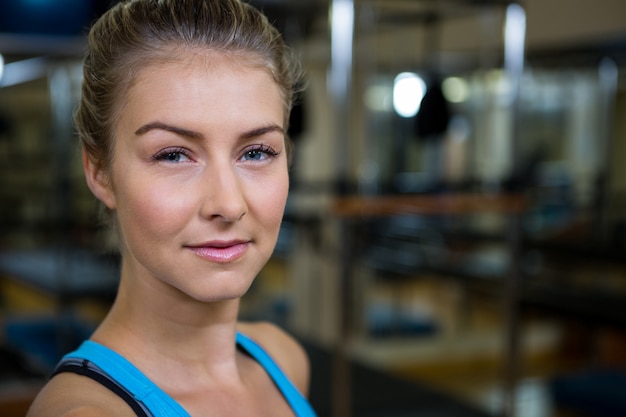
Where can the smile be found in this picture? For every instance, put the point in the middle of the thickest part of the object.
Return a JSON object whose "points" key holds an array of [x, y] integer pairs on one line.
{"points": [[220, 252]]}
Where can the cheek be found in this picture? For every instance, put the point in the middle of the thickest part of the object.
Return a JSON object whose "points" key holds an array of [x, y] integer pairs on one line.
{"points": [[270, 204], [146, 209]]}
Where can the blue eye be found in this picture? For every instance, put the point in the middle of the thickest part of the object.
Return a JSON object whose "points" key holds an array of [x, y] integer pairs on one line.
{"points": [[255, 155], [259, 153], [172, 156]]}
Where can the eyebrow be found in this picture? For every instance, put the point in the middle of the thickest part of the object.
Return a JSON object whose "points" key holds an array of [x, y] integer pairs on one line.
{"points": [[262, 131], [169, 128], [196, 135]]}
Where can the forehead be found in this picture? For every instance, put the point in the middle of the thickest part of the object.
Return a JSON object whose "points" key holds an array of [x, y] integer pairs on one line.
{"points": [[189, 59], [139, 67], [186, 60], [211, 86]]}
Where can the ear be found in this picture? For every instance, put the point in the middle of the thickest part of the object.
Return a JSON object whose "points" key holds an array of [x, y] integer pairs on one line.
{"points": [[98, 181]]}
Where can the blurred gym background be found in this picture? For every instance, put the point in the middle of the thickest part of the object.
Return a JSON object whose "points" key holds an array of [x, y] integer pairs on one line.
{"points": [[455, 239]]}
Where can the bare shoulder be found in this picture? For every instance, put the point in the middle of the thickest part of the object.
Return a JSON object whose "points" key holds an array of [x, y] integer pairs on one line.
{"points": [[70, 395], [283, 348]]}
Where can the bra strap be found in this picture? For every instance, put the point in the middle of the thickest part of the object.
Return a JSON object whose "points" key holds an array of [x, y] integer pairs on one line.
{"points": [[119, 369], [86, 368]]}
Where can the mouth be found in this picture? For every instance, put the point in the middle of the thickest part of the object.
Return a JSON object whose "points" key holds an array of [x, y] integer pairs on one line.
{"points": [[220, 251]]}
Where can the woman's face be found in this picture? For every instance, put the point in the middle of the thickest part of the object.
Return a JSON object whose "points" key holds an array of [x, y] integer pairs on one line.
{"points": [[199, 176]]}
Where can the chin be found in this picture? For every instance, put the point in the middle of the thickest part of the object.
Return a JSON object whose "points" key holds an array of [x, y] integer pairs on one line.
{"points": [[215, 294]]}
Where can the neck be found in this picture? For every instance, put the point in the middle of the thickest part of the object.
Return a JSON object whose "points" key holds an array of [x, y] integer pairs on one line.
{"points": [[151, 324]]}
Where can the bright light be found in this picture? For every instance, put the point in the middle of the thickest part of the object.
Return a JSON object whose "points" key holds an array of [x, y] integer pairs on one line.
{"points": [[1, 66], [455, 89], [23, 71], [514, 39], [342, 38], [408, 92]]}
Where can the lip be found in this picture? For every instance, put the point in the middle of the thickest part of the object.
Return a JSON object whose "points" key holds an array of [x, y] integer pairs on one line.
{"points": [[220, 251]]}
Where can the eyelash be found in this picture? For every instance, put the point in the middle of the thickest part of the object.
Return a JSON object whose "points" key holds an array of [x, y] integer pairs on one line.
{"points": [[161, 156], [267, 150], [164, 154]]}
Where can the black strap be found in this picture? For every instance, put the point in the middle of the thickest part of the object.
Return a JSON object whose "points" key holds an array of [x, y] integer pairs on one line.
{"points": [[100, 377]]}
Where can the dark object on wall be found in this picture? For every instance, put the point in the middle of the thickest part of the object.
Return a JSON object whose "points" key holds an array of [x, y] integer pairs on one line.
{"points": [[434, 114], [6, 125], [599, 393], [297, 120]]}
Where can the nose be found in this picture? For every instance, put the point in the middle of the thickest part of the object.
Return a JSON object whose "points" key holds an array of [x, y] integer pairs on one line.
{"points": [[223, 196]]}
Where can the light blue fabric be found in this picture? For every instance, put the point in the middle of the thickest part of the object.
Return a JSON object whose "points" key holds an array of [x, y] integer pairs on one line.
{"points": [[299, 404], [157, 401]]}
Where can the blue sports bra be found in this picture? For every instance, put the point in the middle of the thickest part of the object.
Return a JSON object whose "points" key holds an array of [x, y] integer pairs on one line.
{"points": [[116, 373]]}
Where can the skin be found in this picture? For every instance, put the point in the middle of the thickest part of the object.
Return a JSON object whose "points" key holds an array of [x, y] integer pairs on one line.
{"points": [[199, 183]]}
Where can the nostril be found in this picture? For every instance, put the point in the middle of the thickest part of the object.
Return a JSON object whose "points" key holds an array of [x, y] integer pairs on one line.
{"points": [[225, 200]]}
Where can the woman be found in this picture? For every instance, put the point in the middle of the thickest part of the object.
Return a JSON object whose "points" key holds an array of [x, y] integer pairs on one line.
{"points": [[182, 120]]}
